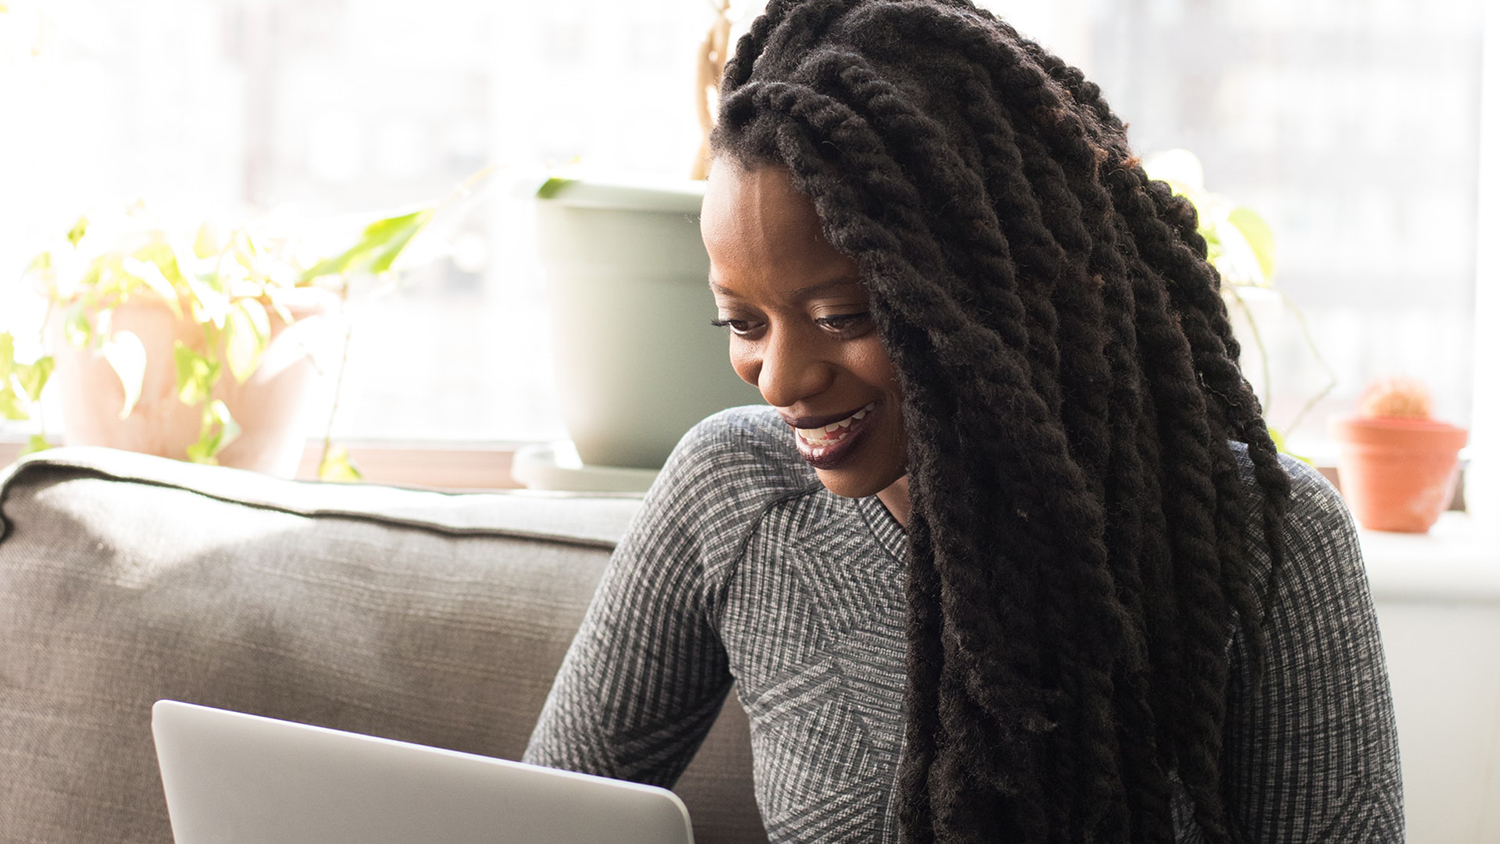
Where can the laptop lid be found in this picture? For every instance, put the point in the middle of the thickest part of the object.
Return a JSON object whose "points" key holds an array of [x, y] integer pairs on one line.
{"points": [[232, 778]]}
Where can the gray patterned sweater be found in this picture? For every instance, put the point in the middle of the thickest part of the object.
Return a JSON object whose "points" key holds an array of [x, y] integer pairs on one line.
{"points": [[742, 569]]}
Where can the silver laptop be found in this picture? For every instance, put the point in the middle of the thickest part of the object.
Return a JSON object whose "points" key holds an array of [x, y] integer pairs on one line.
{"points": [[232, 778]]}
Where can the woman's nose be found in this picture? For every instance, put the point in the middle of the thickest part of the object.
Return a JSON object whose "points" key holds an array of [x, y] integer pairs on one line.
{"points": [[789, 369]]}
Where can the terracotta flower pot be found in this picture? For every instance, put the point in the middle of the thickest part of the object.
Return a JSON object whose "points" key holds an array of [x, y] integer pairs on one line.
{"points": [[268, 406], [1398, 474]]}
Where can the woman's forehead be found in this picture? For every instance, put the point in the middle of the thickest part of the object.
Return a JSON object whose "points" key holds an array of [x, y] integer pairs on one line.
{"points": [[762, 198], [758, 208], [758, 228]]}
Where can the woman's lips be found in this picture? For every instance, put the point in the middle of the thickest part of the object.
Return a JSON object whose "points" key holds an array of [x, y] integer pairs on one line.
{"points": [[826, 446]]}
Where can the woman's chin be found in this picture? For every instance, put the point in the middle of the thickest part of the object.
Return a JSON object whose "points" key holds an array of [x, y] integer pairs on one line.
{"points": [[848, 484]]}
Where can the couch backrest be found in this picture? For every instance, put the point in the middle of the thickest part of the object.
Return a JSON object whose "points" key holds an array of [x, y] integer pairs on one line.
{"points": [[421, 616]]}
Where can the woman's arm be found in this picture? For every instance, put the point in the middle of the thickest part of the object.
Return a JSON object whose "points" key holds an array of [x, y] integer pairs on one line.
{"points": [[1311, 754], [645, 676], [647, 673]]}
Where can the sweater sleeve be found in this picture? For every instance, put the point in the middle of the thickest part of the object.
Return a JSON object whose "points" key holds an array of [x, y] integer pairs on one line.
{"points": [[1311, 754], [647, 672]]}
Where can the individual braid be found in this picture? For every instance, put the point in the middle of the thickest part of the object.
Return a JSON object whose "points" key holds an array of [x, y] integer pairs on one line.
{"points": [[1079, 543]]}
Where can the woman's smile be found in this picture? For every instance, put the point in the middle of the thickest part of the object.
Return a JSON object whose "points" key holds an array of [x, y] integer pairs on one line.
{"points": [[827, 444]]}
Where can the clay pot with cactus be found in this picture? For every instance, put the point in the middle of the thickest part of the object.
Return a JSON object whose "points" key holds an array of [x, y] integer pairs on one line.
{"points": [[1398, 467]]}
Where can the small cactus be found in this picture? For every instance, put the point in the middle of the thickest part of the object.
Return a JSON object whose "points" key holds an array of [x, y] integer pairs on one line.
{"points": [[1399, 397]]}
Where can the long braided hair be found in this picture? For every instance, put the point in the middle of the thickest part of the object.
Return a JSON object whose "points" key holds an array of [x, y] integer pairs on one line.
{"points": [[1079, 538]]}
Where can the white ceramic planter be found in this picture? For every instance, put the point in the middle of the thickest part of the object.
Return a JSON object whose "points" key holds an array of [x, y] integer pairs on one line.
{"points": [[637, 361]]}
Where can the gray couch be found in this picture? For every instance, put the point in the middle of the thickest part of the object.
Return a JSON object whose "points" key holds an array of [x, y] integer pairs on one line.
{"points": [[427, 617]]}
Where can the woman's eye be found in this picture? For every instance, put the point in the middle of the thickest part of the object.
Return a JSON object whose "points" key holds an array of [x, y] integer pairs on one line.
{"points": [[735, 326], [845, 323]]}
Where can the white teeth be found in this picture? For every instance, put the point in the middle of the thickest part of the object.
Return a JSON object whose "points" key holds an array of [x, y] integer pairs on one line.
{"points": [[814, 435]]}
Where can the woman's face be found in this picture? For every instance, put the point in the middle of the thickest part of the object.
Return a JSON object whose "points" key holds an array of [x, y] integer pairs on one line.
{"points": [[800, 328]]}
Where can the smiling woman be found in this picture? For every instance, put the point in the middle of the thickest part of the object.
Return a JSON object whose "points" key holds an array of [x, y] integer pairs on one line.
{"points": [[1012, 557]]}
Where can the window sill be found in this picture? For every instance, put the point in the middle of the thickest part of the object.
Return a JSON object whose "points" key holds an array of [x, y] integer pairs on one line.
{"points": [[1457, 562]]}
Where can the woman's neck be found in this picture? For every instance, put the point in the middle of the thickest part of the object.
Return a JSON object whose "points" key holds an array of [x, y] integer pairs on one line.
{"points": [[897, 500]]}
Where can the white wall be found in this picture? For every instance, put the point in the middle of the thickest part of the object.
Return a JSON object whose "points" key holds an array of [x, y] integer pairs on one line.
{"points": [[1438, 601]]}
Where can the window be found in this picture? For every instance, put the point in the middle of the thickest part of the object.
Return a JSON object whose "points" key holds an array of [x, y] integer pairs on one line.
{"points": [[1353, 127]]}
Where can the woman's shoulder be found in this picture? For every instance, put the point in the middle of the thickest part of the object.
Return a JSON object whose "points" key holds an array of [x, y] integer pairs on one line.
{"points": [[1315, 506], [1321, 541], [1312, 499], [739, 459], [754, 431]]}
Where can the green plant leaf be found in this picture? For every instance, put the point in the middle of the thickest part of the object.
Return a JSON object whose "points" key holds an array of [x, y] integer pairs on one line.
{"points": [[161, 253], [206, 241], [10, 404], [209, 304], [41, 265], [7, 355], [35, 443], [244, 247], [1258, 237], [218, 431], [104, 320], [552, 187], [91, 284], [247, 330], [13, 375], [196, 375], [231, 428], [336, 466], [149, 273], [76, 233], [77, 328], [202, 451], [377, 248], [33, 376], [126, 355]]}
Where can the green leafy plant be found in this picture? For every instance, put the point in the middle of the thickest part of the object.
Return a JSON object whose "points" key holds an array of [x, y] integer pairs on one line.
{"points": [[228, 285], [1242, 249]]}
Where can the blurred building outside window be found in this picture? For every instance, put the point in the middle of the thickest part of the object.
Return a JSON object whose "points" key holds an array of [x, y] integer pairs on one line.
{"points": [[1352, 127]]}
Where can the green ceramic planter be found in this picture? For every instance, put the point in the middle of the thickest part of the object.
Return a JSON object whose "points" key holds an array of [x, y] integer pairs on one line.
{"points": [[637, 362]]}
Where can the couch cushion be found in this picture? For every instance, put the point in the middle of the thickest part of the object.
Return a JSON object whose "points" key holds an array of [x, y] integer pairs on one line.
{"points": [[427, 617]]}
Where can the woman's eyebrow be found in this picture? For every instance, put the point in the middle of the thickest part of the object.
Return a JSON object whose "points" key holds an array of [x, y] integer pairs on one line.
{"points": [[826, 287], [807, 292]]}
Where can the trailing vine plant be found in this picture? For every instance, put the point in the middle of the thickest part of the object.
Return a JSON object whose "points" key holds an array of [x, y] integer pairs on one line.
{"points": [[228, 285], [1242, 248]]}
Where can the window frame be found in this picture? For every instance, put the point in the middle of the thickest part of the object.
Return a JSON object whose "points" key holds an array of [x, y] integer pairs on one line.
{"points": [[1484, 432]]}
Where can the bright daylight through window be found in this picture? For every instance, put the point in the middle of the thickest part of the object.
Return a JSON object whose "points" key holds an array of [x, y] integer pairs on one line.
{"points": [[1350, 127]]}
